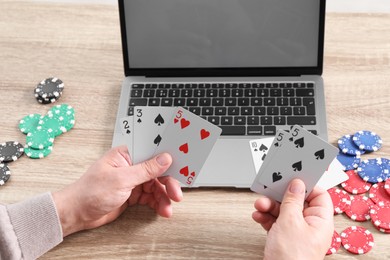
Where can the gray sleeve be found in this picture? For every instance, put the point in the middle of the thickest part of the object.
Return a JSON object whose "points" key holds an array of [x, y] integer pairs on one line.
{"points": [[30, 228]]}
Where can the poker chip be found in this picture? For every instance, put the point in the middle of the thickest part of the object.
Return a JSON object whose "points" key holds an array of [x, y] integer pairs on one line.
{"points": [[386, 165], [10, 151], [53, 123], [29, 123], [358, 208], [367, 140], [355, 184], [380, 215], [387, 186], [37, 154], [336, 244], [347, 146], [357, 240], [339, 198], [62, 109], [386, 231], [349, 162], [378, 193], [40, 138], [372, 170], [49, 90], [5, 174]]}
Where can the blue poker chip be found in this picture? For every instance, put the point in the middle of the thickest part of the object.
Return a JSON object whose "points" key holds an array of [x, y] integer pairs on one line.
{"points": [[349, 162], [373, 170], [386, 164], [367, 140], [347, 146]]}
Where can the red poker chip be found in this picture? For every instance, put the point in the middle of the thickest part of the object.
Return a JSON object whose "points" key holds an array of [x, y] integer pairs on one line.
{"points": [[358, 208], [386, 231], [379, 194], [387, 186], [357, 240], [339, 198], [355, 184], [380, 215], [336, 243]]}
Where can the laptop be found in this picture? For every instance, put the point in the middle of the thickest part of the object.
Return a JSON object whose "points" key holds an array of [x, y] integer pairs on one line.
{"points": [[248, 66]]}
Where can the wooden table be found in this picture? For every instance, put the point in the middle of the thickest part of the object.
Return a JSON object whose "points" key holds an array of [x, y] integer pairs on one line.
{"points": [[81, 45]]}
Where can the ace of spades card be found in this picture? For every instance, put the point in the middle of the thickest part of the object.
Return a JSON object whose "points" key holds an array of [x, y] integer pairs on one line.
{"points": [[149, 124], [302, 155], [189, 139]]}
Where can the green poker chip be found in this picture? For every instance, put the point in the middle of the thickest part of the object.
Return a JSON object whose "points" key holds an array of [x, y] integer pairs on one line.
{"points": [[37, 154], [63, 109], [29, 123], [40, 138], [52, 123]]}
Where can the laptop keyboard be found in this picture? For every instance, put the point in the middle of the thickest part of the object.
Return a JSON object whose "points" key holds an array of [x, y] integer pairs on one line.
{"points": [[239, 109]]}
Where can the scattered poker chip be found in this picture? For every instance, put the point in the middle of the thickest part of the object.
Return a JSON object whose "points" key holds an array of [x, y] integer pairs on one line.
{"points": [[336, 244], [5, 174], [29, 123], [62, 109], [349, 162], [49, 90], [386, 165], [355, 184], [380, 215], [379, 194], [386, 231], [339, 198], [387, 186], [347, 146], [40, 138], [52, 123], [358, 208], [372, 170], [367, 140], [37, 154], [10, 151], [357, 240]]}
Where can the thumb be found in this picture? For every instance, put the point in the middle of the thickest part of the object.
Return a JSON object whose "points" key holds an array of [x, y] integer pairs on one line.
{"points": [[148, 170], [293, 200]]}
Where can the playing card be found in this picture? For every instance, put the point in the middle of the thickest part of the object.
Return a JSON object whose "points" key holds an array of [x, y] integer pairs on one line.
{"points": [[303, 155], [126, 126], [333, 176], [259, 149], [149, 125], [189, 139]]}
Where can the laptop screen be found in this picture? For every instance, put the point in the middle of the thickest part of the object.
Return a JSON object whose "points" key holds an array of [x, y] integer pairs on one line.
{"points": [[219, 34]]}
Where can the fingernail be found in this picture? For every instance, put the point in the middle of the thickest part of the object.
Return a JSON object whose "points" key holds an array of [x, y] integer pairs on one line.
{"points": [[296, 187], [162, 159]]}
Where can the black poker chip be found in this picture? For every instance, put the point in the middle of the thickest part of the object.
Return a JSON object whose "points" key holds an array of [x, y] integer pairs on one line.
{"points": [[49, 90], [5, 173], [10, 151]]}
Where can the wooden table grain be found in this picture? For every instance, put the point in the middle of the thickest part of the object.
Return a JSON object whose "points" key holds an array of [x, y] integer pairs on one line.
{"points": [[80, 43]]}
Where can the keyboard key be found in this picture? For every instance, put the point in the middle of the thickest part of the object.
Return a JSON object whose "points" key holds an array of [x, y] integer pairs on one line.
{"points": [[192, 102], [305, 92], [213, 119], [237, 92], [186, 92], [240, 120], [255, 130], [299, 111], [233, 111], [295, 102], [250, 92], [271, 111], [310, 106], [179, 102], [269, 101], [256, 101], [288, 92], [224, 93], [207, 111], [137, 86], [286, 111], [243, 102], [253, 120], [220, 111], [217, 102], [246, 111], [149, 93], [154, 102], [138, 102], [233, 130], [226, 120], [195, 110], [211, 92], [230, 102], [279, 120], [275, 92], [162, 93], [282, 101], [262, 92], [136, 93], [269, 130], [266, 120], [167, 102], [259, 111], [174, 93], [301, 120], [199, 93], [130, 111], [205, 102]]}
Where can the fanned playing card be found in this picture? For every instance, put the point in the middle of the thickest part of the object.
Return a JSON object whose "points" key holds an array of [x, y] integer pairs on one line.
{"points": [[259, 149], [189, 139], [302, 155], [126, 126], [333, 176], [149, 126]]}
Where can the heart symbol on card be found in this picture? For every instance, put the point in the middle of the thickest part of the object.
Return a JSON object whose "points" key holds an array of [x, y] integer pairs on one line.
{"points": [[299, 142], [297, 166], [320, 154], [204, 134], [192, 174], [184, 148], [184, 123], [276, 176], [184, 171], [175, 120]]}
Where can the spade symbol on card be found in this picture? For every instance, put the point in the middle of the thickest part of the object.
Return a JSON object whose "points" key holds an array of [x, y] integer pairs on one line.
{"points": [[276, 144], [299, 142], [320, 154], [255, 150], [139, 120], [297, 166], [276, 176], [128, 131], [263, 148], [157, 140], [159, 120]]}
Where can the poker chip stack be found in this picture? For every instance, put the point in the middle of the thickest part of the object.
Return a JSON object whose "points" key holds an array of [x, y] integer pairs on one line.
{"points": [[49, 90], [42, 130], [365, 195], [9, 152]]}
